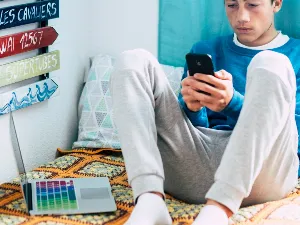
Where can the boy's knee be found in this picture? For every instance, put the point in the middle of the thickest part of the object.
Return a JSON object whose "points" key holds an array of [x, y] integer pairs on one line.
{"points": [[136, 59], [276, 63], [135, 62]]}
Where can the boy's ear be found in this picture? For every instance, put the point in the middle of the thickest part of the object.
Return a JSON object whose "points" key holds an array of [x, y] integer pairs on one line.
{"points": [[277, 6]]}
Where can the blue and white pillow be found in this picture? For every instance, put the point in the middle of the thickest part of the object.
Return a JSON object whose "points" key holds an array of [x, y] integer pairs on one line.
{"points": [[96, 127]]}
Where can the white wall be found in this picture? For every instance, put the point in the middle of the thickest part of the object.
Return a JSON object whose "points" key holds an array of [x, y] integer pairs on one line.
{"points": [[125, 24], [102, 26]]}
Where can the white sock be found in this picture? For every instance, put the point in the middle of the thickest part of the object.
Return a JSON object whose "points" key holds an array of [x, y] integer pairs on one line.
{"points": [[150, 210], [211, 215]]}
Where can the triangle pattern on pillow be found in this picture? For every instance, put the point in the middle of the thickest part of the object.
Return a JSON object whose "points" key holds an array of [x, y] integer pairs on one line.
{"points": [[108, 101], [101, 107], [107, 123], [91, 86], [84, 118], [91, 122], [105, 86], [92, 76], [107, 74], [100, 117], [86, 106], [94, 100]]}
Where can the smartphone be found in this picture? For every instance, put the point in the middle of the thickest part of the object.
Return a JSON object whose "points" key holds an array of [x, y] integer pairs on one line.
{"points": [[199, 63]]}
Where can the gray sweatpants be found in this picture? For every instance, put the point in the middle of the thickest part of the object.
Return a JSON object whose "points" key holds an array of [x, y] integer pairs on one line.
{"points": [[164, 152]]}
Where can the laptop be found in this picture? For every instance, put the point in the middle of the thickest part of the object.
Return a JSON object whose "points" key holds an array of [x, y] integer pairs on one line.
{"points": [[62, 196]]}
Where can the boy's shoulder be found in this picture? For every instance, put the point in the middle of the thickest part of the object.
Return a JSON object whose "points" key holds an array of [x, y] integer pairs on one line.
{"points": [[295, 42], [292, 51], [296, 39], [291, 48]]}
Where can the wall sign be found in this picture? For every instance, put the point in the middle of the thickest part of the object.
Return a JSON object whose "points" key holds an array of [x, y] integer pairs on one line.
{"points": [[26, 41], [28, 68], [28, 13], [27, 96]]}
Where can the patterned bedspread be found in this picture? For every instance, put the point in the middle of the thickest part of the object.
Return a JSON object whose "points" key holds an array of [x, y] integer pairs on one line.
{"points": [[82, 163]]}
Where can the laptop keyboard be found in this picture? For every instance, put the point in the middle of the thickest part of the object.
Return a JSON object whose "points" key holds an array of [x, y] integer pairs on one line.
{"points": [[56, 195]]}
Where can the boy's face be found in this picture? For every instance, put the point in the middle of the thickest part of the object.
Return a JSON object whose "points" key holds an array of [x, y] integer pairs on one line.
{"points": [[252, 20]]}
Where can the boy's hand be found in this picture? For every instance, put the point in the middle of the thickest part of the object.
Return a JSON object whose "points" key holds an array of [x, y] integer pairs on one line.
{"points": [[191, 102], [217, 97]]}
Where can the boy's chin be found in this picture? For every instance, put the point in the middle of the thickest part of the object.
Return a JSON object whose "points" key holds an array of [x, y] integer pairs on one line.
{"points": [[247, 40]]}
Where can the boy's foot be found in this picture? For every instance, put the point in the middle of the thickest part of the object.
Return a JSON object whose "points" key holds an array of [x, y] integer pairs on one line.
{"points": [[150, 210], [211, 215]]}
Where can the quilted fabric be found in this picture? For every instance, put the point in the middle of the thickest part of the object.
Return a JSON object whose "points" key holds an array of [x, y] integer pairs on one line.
{"points": [[96, 126], [111, 165]]}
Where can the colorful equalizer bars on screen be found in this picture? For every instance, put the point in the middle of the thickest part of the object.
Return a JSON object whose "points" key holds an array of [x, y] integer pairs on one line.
{"points": [[56, 195]]}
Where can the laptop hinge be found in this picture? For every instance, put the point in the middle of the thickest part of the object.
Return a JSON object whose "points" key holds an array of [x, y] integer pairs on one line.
{"points": [[27, 188]]}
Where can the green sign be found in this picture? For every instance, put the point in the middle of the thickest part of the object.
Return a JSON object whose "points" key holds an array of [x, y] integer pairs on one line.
{"points": [[21, 70]]}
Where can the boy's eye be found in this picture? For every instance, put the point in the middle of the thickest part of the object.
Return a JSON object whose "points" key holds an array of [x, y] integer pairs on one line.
{"points": [[253, 5], [232, 5]]}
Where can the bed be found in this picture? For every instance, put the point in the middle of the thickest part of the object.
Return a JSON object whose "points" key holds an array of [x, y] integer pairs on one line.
{"points": [[86, 162], [97, 153]]}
